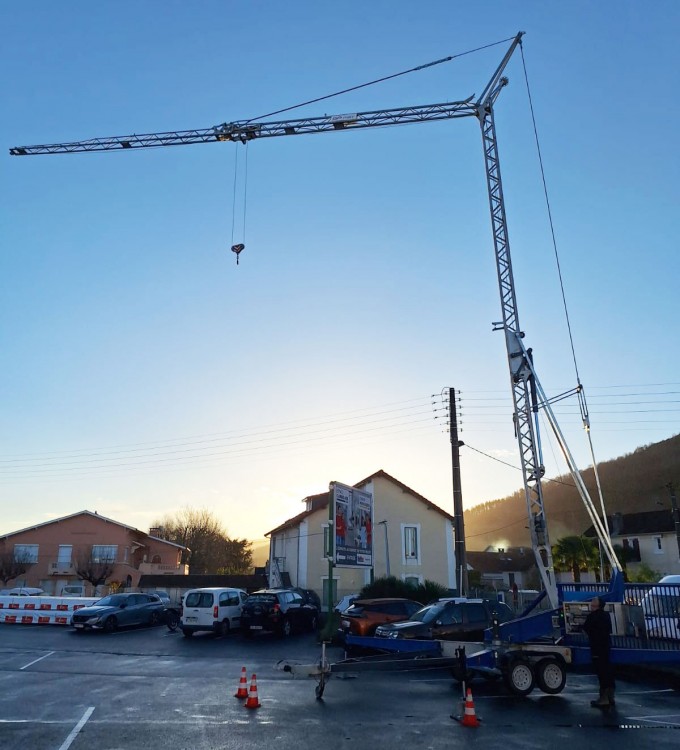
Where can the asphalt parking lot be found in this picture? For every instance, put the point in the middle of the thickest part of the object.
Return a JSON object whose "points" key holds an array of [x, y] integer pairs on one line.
{"points": [[149, 688]]}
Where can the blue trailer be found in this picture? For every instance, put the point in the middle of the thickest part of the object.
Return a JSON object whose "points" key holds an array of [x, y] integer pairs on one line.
{"points": [[538, 648]]}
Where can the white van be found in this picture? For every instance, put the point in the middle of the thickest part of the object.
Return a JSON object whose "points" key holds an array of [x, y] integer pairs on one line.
{"points": [[215, 609]]}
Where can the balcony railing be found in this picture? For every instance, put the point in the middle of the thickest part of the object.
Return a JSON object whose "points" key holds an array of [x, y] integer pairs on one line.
{"points": [[60, 568], [167, 569]]}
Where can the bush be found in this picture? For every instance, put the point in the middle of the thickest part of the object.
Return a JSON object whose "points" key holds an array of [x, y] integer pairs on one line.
{"points": [[644, 574], [390, 586]]}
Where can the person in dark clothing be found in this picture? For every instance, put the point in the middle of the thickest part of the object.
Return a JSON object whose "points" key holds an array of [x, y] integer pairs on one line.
{"points": [[598, 628]]}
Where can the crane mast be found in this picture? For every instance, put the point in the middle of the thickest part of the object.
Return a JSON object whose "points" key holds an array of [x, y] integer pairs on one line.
{"points": [[528, 396]]}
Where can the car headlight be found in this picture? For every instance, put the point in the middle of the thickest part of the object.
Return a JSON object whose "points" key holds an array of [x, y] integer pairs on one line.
{"points": [[93, 620], [393, 634]]}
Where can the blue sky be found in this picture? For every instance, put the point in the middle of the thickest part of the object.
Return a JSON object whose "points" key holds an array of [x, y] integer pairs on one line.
{"points": [[143, 371]]}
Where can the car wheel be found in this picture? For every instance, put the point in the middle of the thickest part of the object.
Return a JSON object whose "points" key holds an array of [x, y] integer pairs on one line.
{"points": [[111, 624], [286, 628], [551, 676], [222, 628], [172, 621], [520, 677], [187, 633]]}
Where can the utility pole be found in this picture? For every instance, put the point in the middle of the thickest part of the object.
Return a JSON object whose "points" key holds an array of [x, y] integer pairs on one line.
{"points": [[459, 521], [676, 513]]}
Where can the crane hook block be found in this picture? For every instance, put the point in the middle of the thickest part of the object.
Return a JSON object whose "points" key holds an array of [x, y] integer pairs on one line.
{"points": [[237, 249]]}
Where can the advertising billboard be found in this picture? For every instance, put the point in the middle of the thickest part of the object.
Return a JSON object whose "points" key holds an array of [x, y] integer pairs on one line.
{"points": [[353, 527]]}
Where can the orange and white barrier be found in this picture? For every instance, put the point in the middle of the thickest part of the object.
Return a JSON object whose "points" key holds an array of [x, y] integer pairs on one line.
{"points": [[41, 610]]}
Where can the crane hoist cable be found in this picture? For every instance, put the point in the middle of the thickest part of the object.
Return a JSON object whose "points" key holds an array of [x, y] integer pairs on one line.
{"points": [[585, 416], [239, 247]]}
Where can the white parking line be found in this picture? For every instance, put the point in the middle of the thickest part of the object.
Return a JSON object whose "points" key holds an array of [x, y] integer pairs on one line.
{"points": [[35, 661], [74, 732]]}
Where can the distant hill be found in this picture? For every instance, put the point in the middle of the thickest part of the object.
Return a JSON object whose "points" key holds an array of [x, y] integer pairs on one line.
{"points": [[260, 552], [630, 484]]}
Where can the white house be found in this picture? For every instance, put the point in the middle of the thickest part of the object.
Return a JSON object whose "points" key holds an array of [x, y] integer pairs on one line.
{"points": [[649, 537], [412, 538]]}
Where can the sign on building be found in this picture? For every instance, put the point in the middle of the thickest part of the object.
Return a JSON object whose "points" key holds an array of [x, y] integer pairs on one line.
{"points": [[353, 527]]}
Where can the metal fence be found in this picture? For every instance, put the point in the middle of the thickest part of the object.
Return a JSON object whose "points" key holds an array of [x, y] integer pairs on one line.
{"points": [[660, 613]]}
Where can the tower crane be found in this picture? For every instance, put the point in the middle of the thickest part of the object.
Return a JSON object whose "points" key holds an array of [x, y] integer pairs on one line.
{"points": [[527, 393]]}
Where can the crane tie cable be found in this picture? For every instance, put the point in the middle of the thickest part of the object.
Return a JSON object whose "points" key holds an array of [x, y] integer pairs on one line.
{"points": [[379, 80]]}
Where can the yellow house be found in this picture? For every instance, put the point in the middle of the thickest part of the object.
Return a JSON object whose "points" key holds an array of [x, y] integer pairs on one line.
{"points": [[412, 539]]}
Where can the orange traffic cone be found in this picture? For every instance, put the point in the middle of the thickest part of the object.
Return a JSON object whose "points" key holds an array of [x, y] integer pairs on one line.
{"points": [[242, 691], [469, 716], [253, 701]]}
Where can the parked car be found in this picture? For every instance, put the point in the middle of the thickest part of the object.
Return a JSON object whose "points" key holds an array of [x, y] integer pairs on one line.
{"points": [[119, 610], [279, 611], [346, 602], [25, 591], [310, 597], [364, 616], [213, 609], [661, 607], [73, 590], [457, 619]]}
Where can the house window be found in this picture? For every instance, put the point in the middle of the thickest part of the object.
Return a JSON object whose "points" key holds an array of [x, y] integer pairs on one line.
{"points": [[65, 551], [631, 548], [413, 580], [411, 543], [104, 553], [26, 553], [658, 547]]}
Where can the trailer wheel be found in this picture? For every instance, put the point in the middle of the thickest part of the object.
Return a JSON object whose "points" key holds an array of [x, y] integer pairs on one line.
{"points": [[551, 676], [520, 677]]}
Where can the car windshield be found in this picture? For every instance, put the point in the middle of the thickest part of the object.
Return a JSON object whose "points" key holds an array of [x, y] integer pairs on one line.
{"points": [[428, 613], [115, 600], [261, 599]]}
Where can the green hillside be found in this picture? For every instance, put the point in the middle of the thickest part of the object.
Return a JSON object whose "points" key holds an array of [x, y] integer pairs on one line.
{"points": [[632, 483]]}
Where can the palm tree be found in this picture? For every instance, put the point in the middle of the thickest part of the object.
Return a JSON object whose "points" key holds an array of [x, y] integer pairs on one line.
{"points": [[575, 553]]}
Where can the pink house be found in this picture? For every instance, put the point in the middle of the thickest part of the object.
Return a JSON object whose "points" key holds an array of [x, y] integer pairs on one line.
{"points": [[52, 550]]}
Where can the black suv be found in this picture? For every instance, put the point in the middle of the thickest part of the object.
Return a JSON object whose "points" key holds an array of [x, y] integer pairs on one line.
{"points": [[279, 611], [456, 619]]}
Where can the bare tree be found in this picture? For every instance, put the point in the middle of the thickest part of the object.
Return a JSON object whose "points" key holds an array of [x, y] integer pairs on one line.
{"points": [[12, 566], [95, 570], [212, 550]]}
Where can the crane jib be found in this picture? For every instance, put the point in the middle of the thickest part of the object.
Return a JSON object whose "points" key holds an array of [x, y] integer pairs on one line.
{"points": [[247, 130]]}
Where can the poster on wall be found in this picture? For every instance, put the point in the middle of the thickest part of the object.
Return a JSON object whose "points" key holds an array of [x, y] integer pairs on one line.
{"points": [[353, 527]]}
